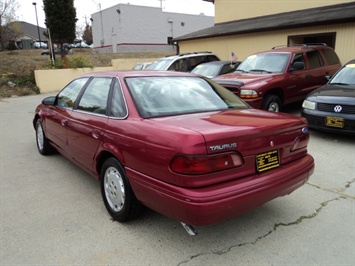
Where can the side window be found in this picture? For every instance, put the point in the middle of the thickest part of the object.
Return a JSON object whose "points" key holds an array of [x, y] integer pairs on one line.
{"points": [[67, 97], [179, 65], [118, 106], [331, 57], [315, 59], [212, 58], [174, 66], [95, 96], [195, 61], [297, 59]]}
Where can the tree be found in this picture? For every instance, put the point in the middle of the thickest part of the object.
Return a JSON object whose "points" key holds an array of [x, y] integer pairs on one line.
{"points": [[60, 20], [87, 35], [9, 30]]}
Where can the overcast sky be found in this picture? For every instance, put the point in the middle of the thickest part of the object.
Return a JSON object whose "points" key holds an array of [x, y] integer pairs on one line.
{"points": [[84, 8]]}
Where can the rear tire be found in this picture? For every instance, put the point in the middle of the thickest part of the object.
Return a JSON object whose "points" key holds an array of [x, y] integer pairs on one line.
{"points": [[272, 103], [117, 194]]}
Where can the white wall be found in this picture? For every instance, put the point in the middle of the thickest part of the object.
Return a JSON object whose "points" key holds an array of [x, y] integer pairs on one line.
{"points": [[129, 28]]}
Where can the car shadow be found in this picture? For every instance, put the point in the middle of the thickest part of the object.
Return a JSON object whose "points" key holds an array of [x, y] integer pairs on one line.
{"points": [[332, 136], [293, 108]]}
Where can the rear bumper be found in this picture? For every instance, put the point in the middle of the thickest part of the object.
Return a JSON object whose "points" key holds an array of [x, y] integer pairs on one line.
{"points": [[207, 205]]}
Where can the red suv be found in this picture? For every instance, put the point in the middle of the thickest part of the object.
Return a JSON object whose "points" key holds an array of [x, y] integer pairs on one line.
{"points": [[282, 75]]}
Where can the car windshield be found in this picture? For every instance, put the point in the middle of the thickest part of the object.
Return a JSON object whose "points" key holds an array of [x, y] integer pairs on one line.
{"points": [[209, 71], [168, 96], [138, 67], [161, 64], [345, 76], [268, 63]]}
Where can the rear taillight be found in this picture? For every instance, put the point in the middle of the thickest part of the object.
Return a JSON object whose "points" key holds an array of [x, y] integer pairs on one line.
{"points": [[204, 164], [300, 142]]}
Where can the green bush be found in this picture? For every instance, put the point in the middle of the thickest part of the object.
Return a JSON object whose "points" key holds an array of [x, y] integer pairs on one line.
{"points": [[79, 61], [74, 61]]}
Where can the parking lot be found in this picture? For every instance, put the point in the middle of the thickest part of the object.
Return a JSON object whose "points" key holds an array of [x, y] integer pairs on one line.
{"points": [[52, 212]]}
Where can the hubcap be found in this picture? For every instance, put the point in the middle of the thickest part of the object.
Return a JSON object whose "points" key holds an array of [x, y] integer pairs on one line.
{"points": [[114, 189], [274, 107], [40, 137]]}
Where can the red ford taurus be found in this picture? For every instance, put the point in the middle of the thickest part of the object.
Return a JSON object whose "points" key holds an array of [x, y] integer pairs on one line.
{"points": [[177, 143]]}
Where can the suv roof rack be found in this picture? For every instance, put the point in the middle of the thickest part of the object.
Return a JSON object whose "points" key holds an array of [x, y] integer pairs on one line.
{"points": [[304, 45], [202, 52]]}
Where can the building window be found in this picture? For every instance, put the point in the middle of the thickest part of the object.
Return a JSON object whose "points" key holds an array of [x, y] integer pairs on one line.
{"points": [[327, 38]]}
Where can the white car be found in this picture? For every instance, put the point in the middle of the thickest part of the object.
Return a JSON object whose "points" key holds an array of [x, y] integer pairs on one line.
{"points": [[39, 45], [82, 45], [183, 62], [141, 66]]}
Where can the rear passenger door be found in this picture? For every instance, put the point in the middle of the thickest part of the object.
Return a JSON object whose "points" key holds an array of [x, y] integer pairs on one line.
{"points": [[317, 70], [308, 79], [88, 121]]}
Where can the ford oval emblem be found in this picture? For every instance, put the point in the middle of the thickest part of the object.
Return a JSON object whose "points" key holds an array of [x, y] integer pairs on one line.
{"points": [[304, 130]]}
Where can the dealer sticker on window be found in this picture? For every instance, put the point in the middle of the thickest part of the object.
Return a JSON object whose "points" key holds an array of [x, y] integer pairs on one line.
{"points": [[267, 160]]}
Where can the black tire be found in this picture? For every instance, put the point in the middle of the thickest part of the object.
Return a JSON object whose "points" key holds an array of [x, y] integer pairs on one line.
{"points": [[42, 142], [272, 103], [117, 194]]}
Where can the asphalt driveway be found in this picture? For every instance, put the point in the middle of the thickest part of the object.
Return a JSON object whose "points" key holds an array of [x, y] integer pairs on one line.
{"points": [[52, 213]]}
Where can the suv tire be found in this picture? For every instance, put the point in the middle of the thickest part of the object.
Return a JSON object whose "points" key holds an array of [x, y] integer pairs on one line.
{"points": [[272, 103]]}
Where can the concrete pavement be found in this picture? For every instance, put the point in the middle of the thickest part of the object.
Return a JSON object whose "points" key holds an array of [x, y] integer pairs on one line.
{"points": [[52, 213]]}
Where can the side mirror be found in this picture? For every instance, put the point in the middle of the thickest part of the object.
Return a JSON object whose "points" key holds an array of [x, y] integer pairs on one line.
{"points": [[49, 100], [297, 66]]}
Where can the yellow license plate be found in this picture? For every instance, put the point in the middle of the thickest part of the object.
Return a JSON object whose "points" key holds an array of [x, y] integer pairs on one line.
{"points": [[267, 160], [331, 121]]}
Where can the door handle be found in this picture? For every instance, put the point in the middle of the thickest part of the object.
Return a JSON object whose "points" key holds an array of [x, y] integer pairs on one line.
{"points": [[96, 134], [64, 122], [308, 76]]}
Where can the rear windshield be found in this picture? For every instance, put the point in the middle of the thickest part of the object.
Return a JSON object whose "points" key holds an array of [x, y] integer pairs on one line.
{"points": [[345, 76], [168, 96], [209, 70], [161, 64]]}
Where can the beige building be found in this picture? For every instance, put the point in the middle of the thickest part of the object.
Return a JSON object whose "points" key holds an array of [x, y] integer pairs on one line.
{"points": [[248, 26]]}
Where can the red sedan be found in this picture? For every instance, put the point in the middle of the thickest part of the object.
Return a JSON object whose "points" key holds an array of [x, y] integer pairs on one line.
{"points": [[177, 143]]}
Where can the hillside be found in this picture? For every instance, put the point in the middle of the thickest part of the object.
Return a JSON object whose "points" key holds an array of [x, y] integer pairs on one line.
{"points": [[17, 67]]}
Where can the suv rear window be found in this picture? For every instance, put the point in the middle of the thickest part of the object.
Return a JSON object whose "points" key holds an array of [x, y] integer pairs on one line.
{"points": [[331, 57]]}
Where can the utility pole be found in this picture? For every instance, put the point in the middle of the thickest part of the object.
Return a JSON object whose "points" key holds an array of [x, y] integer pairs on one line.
{"points": [[39, 35]]}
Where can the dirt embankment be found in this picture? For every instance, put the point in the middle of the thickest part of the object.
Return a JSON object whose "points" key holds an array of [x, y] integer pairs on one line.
{"points": [[17, 67]]}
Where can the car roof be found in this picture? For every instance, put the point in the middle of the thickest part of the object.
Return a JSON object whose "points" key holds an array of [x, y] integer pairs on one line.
{"points": [[295, 48], [219, 63], [350, 62], [139, 73], [187, 55]]}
